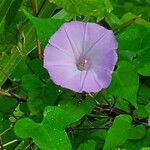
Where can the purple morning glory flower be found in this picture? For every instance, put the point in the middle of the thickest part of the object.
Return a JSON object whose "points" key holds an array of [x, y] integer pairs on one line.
{"points": [[149, 121], [81, 56]]}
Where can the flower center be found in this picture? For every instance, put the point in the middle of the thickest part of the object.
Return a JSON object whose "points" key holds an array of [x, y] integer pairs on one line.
{"points": [[83, 63]]}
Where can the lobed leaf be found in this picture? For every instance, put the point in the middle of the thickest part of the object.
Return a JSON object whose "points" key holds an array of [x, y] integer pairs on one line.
{"points": [[118, 133]]}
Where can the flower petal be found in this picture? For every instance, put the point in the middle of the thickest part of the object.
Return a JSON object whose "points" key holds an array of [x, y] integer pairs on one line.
{"points": [[65, 76], [90, 83], [106, 61], [76, 82], [76, 32], [61, 41], [102, 76], [93, 34], [103, 45], [55, 56]]}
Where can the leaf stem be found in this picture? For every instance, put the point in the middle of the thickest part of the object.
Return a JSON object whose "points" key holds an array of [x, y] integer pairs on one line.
{"points": [[11, 142], [5, 131], [35, 12], [42, 4], [10, 94], [1, 143]]}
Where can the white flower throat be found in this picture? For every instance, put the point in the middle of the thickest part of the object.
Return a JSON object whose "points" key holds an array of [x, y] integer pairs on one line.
{"points": [[83, 63]]}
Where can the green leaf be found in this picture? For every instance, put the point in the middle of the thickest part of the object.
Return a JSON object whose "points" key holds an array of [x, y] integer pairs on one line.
{"points": [[7, 64], [15, 5], [4, 7], [33, 85], [145, 148], [138, 144], [20, 70], [25, 44], [143, 62], [122, 104], [44, 27], [133, 38], [31, 82], [77, 109], [147, 107], [125, 82], [144, 92], [112, 20], [7, 104], [29, 66], [7, 133], [36, 66], [9, 36], [85, 7], [100, 134], [137, 132], [134, 43], [52, 129], [39, 94], [126, 55], [118, 133], [100, 121], [8, 24], [128, 17], [141, 112], [137, 7], [89, 145], [62, 14]]}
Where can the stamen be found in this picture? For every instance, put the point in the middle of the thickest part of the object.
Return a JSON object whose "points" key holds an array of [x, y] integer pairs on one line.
{"points": [[83, 64]]}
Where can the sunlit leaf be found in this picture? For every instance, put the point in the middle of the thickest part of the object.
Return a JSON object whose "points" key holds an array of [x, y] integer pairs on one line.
{"points": [[118, 133], [125, 83], [44, 27], [52, 128]]}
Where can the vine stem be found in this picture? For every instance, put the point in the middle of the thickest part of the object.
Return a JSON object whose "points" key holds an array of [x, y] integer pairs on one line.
{"points": [[10, 94], [5, 131], [35, 12], [11, 142], [1, 143], [42, 4]]}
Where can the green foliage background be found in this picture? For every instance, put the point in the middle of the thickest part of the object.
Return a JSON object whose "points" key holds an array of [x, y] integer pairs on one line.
{"points": [[37, 114]]}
